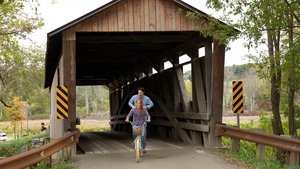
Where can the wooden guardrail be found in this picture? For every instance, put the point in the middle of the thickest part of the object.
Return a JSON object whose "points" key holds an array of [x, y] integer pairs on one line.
{"points": [[32, 157], [285, 143]]}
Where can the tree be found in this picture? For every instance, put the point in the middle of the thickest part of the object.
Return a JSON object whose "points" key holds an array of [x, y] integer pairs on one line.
{"points": [[264, 22], [269, 22], [18, 18], [15, 113]]}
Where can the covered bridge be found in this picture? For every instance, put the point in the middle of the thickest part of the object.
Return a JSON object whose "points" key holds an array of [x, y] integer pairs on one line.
{"points": [[119, 45]]}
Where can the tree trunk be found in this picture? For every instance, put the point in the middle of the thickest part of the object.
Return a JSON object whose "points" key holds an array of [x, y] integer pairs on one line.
{"points": [[291, 82], [15, 133], [86, 100], [275, 73]]}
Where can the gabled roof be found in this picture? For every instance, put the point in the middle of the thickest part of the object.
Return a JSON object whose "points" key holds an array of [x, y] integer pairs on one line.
{"points": [[104, 57]]}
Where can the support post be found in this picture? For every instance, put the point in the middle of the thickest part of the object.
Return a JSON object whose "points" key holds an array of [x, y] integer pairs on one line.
{"points": [[217, 84]]}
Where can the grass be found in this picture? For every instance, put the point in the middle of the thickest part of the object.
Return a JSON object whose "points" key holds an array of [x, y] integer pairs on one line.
{"points": [[60, 164], [247, 152], [94, 125]]}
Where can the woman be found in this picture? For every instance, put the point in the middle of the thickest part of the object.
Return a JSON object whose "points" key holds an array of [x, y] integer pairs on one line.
{"points": [[140, 115]]}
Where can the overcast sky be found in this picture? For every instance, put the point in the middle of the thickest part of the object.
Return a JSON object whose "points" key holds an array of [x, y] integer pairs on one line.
{"points": [[63, 11]]}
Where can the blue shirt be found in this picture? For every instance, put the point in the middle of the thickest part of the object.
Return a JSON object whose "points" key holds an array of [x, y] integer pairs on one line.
{"points": [[146, 101], [138, 118]]}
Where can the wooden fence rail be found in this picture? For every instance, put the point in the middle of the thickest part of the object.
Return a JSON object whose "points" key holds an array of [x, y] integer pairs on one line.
{"points": [[285, 143], [32, 157], [119, 119]]}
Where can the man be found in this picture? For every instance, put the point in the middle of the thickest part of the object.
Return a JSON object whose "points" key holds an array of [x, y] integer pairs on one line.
{"points": [[147, 103]]}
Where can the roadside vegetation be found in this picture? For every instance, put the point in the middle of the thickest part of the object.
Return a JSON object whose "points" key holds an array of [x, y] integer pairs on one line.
{"points": [[247, 153]]}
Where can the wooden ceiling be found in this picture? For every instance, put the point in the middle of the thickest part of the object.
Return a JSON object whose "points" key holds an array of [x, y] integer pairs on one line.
{"points": [[104, 58]]}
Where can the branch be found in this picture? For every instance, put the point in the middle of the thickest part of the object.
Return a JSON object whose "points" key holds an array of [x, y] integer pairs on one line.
{"points": [[2, 80], [296, 17], [6, 105], [10, 33]]}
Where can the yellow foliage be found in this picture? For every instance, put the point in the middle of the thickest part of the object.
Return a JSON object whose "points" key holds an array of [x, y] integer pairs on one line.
{"points": [[15, 112]]}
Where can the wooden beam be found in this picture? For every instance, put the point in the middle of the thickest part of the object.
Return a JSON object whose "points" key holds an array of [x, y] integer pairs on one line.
{"points": [[182, 134], [218, 60], [188, 126], [184, 115], [183, 93], [69, 77], [194, 127]]}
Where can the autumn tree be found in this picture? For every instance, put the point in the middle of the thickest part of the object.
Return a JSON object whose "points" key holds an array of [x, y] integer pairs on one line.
{"points": [[15, 113]]}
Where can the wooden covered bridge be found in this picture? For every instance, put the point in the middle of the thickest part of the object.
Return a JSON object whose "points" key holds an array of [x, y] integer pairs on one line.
{"points": [[125, 44]]}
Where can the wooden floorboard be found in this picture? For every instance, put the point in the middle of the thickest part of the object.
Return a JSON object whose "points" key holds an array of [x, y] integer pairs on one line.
{"points": [[113, 142]]}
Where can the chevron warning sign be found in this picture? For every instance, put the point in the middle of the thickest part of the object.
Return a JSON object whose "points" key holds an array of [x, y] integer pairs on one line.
{"points": [[62, 102], [237, 97]]}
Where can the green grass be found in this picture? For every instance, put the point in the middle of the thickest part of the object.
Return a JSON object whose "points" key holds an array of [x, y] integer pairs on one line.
{"points": [[247, 153], [61, 164]]}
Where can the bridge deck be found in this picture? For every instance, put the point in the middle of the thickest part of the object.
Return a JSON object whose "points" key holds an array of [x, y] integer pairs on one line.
{"points": [[113, 150]]}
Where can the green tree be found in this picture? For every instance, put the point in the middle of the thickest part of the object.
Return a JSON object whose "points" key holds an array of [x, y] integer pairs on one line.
{"points": [[272, 23], [18, 18], [264, 22], [15, 113]]}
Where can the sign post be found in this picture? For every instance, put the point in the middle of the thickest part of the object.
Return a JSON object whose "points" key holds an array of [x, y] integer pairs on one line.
{"points": [[237, 99], [62, 102]]}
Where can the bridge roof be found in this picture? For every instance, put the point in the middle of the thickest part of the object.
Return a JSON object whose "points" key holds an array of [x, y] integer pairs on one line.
{"points": [[124, 38]]}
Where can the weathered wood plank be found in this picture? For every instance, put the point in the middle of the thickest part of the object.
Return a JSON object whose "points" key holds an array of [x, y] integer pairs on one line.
{"points": [[146, 15], [194, 116], [178, 12], [115, 18], [142, 15], [218, 60], [137, 15], [162, 15], [199, 92], [183, 92], [186, 115], [130, 15], [121, 20], [158, 15], [173, 16], [126, 16], [195, 127], [188, 126], [69, 76], [168, 15], [110, 20], [104, 22], [152, 15], [95, 23]]}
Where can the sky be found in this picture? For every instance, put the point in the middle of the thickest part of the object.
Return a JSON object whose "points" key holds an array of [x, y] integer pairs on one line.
{"points": [[57, 13]]}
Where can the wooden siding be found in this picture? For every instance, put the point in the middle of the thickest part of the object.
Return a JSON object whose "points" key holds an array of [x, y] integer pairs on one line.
{"points": [[139, 15]]}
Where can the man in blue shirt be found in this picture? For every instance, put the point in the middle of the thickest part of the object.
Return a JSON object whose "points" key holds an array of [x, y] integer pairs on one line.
{"points": [[147, 103]]}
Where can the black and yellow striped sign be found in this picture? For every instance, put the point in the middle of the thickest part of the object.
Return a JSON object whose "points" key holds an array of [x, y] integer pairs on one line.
{"points": [[237, 97], [62, 102]]}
